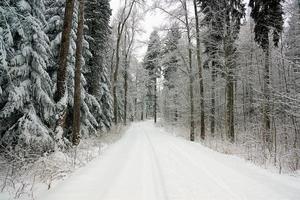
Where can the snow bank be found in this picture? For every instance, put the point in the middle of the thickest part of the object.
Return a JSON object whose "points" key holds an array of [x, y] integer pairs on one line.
{"points": [[23, 179]]}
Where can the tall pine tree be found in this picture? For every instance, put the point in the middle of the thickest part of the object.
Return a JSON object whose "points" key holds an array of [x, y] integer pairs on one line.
{"points": [[268, 18], [171, 61], [98, 14], [223, 20], [89, 104], [152, 65]]}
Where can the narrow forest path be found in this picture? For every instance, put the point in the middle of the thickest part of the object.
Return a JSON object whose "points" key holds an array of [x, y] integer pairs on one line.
{"points": [[151, 164]]}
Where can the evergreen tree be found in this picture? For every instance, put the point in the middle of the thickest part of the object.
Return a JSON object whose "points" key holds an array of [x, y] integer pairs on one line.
{"points": [[152, 65], [171, 62], [293, 55], [212, 40], [27, 106], [97, 76], [223, 19], [89, 104], [293, 38], [234, 11], [268, 17], [5, 82]]}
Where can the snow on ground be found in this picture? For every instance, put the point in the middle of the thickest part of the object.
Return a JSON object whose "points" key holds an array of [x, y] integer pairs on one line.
{"points": [[150, 164], [24, 180]]}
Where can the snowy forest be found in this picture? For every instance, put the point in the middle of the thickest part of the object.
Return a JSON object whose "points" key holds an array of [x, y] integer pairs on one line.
{"points": [[75, 74]]}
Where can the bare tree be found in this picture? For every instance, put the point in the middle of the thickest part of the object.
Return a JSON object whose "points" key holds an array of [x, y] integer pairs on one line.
{"points": [[125, 14], [183, 18], [129, 38]]}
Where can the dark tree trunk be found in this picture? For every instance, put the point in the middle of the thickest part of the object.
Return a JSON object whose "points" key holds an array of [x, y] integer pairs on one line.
{"points": [[229, 50], [266, 106], [135, 108], [64, 50], [63, 58], [230, 109], [213, 99], [155, 99], [125, 90], [115, 81], [190, 67], [202, 124], [112, 66], [142, 109], [176, 107], [229, 65], [77, 89]]}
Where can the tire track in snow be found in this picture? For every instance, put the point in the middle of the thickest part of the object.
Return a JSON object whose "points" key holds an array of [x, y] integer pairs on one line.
{"points": [[225, 169], [221, 183], [224, 180], [158, 168], [150, 164], [119, 166], [190, 167]]}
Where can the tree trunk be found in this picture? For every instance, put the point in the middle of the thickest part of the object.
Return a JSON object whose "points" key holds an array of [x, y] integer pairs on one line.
{"points": [[202, 123], [63, 59], [229, 67], [77, 89], [125, 90], [230, 109], [64, 50], [116, 80], [250, 76], [266, 105], [176, 109], [112, 67], [135, 108], [213, 100], [229, 92], [155, 99], [142, 109], [190, 68]]}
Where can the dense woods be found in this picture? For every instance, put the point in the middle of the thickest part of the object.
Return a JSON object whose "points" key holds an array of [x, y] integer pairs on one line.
{"points": [[54, 77], [226, 71]]}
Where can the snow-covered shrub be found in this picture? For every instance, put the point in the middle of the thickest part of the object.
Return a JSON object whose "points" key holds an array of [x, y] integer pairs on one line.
{"points": [[21, 179]]}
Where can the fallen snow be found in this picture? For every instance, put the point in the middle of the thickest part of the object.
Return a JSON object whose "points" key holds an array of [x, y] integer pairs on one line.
{"points": [[150, 164], [4, 196]]}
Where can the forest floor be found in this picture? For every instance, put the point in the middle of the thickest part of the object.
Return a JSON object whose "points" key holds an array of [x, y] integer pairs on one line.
{"points": [[149, 163]]}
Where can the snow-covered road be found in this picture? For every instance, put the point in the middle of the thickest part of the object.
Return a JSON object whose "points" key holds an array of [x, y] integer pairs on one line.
{"points": [[150, 164]]}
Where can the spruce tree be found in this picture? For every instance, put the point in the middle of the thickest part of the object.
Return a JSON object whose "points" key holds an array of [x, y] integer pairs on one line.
{"points": [[268, 18], [212, 40], [171, 61], [98, 15], [152, 65], [223, 19], [27, 106], [293, 39], [89, 104]]}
